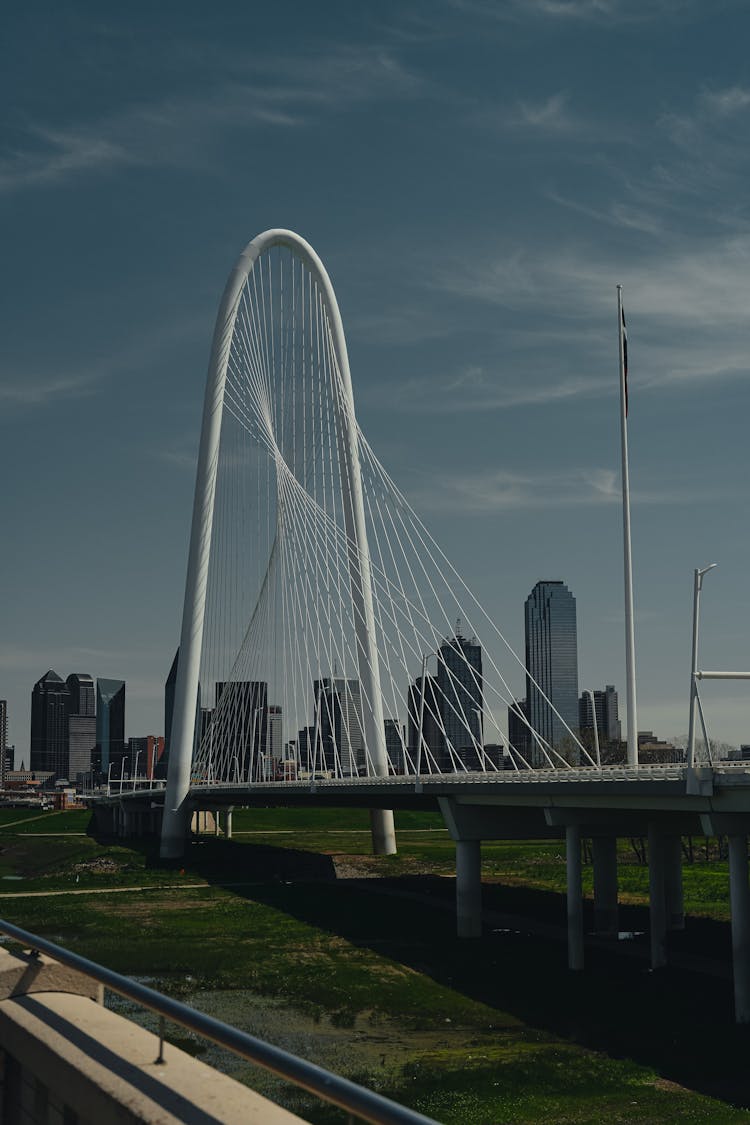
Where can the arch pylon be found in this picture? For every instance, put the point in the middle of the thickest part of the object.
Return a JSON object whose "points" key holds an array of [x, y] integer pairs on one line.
{"points": [[176, 808]]}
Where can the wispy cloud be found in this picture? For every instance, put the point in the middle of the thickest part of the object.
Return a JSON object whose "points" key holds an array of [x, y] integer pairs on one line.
{"points": [[578, 11], [476, 390], [35, 391], [282, 93], [483, 492]]}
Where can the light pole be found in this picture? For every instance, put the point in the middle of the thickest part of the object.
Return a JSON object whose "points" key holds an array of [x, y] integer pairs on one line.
{"points": [[135, 769], [109, 777], [697, 585], [590, 694]]}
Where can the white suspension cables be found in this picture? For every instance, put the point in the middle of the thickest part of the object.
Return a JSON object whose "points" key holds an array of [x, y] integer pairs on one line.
{"points": [[324, 632]]}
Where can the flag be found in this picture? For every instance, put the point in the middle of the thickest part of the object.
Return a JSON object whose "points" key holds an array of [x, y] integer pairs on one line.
{"points": [[625, 359]]}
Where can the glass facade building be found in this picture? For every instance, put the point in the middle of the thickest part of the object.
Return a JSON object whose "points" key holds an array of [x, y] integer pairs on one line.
{"points": [[461, 694], [50, 711], [552, 664], [110, 726]]}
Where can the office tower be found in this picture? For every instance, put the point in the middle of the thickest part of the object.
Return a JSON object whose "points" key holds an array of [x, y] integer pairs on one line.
{"points": [[110, 727], [305, 750], [518, 731], [202, 715], [338, 711], [461, 696], [50, 710], [607, 719], [3, 739], [432, 755], [81, 726], [394, 745], [239, 726], [275, 737], [169, 690], [551, 661]]}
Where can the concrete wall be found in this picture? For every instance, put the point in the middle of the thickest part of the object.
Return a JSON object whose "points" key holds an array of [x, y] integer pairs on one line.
{"points": [[67, 1060]]}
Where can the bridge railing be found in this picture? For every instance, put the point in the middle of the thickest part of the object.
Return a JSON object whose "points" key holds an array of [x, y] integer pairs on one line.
{"points": [[361, 1104]]}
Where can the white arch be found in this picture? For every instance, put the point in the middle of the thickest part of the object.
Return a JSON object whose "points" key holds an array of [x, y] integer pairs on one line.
{"points": [[176, 812]]}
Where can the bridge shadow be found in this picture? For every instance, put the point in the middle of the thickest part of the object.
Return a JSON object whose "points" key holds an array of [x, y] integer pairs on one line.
{"points": [[676, 1021]]}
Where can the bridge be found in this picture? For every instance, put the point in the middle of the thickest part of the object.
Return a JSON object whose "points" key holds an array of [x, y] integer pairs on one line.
{"points": [[330, 653]]}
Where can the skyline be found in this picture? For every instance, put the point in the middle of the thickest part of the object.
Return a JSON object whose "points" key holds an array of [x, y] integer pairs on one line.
{"points": [[491, 187]]}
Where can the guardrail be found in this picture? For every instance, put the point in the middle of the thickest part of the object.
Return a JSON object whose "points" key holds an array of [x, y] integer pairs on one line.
{"points": [[355, 1100]]}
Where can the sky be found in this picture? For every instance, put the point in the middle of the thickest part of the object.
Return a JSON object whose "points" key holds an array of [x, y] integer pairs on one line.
{"points": [[477, 176]]}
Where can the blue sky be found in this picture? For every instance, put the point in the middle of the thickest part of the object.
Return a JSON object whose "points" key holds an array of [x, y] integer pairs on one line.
{"points": [[477, 177]]}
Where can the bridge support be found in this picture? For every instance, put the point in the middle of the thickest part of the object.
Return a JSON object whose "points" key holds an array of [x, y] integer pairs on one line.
{"points": [[657, 898], [228, 823], [383, 832], [575, 897], [605, 885], [673, 883], [468, 888]]}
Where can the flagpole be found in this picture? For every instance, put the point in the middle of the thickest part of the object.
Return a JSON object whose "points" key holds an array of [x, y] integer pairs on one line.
{"points": [[628, 560]]}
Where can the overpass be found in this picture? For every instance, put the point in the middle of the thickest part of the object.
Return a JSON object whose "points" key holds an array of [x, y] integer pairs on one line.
{"points": [[661, 803]]}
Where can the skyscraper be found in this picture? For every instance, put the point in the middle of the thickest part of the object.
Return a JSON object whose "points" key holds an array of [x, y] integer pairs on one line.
{"points": [[110, 726], [607, 718], [461, 696], [3, 738], [432, 755], [240, 723], [338, 709], [552, 664], [81, 725], [50, 709]]}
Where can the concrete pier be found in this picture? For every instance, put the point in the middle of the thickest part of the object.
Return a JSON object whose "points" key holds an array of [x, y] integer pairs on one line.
{"points": [[657, 898], [575, 897], [605, 885], [468, 888]]}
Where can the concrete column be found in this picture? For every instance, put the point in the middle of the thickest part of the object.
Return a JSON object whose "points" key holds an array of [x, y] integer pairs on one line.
{"points": [[228, 824], [575, 897], [383, 832], [673, 883], [739, 894], [468, 888], [657, 899], [217, 816], [605, 885]]}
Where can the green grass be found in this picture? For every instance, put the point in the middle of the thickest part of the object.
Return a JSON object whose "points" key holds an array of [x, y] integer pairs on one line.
{"points": [[492, 1030]]}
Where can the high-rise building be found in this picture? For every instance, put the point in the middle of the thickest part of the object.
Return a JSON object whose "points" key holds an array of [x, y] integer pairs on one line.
{"points": [[552, 665], [518, 730], [431, 756], [50, 710], [110, 726], [81, 726], [461, 697], [240, 724], [3, 738], [394, 744], [607, 719], [338, 711], [275, 738], [202, 715]]}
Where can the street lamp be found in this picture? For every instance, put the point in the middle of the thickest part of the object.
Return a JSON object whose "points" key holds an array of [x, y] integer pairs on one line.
{"points": [[697, 585], [135, 769]]}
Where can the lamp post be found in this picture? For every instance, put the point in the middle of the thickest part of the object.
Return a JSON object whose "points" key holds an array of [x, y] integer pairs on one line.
{"points": [[697, 586], [135, 769]]}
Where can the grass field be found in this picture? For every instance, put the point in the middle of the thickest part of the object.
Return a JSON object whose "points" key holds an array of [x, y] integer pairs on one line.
{"points": [[365, 974]]}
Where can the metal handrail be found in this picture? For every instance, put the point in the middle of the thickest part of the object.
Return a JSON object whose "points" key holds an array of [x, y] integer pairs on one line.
{"points": [[365, 1104]]}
